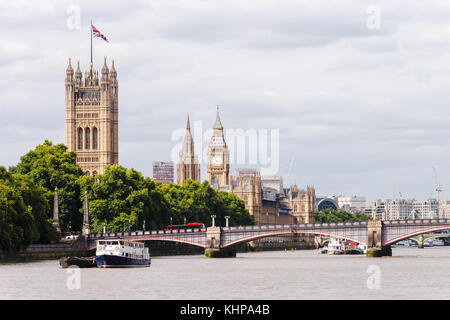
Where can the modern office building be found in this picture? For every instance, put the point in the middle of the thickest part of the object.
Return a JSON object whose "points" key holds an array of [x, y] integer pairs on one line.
{"points": [[352, 203], [163, 171]]}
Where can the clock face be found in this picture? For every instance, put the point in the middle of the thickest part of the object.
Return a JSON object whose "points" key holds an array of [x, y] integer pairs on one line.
{"points": [[216, 160]]}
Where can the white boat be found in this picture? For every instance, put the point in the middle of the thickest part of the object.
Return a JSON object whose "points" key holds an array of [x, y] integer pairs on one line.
{"points": [[335, 247], [121, 254], [362, 247], [428, 243], [438, 242]]}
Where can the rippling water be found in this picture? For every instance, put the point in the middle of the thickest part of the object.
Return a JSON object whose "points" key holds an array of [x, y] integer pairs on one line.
{"points": [[303, 274]]}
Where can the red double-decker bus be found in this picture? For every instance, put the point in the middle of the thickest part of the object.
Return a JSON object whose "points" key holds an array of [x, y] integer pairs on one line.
{"points": [[192, 225]]}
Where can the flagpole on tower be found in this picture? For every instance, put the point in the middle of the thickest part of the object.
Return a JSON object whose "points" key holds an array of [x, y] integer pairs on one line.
{"points": [[90, 28]]}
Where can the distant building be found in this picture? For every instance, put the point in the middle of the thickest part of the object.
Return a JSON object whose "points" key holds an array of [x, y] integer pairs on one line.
{"points": [[274, 182], [402, 209], [444, 209], [163, 171], [377, 210], [426, 209], [352, 204], [330, 202]]}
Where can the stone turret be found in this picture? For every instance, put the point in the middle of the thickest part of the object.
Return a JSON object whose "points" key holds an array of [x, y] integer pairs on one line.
{"points": [[69, 72], [188, 166], [302, 203]]}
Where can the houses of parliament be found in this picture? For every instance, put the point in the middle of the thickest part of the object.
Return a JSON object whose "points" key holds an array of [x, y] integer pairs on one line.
{"points": [[91, 122]]}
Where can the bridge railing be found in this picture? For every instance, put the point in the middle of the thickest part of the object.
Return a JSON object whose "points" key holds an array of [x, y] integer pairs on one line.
{"points": [[142, 233]]}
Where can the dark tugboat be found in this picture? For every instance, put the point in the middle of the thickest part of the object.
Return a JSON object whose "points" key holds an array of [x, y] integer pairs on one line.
{"points": [[82, 262]]}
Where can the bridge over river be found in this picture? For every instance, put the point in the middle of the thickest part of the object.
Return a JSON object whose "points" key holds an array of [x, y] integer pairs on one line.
{"points": [[378, 236]]}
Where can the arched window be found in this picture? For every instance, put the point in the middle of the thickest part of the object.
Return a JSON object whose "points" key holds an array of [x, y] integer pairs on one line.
{"points": [[95, 139], [80, 139], [94, 174], [88, 173], [87, 135]]}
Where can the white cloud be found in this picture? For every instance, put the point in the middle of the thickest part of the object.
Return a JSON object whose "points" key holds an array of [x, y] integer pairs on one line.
{"points": [[359, 110]]}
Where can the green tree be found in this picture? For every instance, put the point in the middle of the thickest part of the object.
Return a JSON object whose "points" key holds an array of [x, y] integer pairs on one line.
{"points": [[198, 201], [331, 215], [23, 209], [52, 166], [121, 195]]}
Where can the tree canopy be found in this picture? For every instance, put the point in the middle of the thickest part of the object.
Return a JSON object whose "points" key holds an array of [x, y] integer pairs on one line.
{"points": [[331, 215], [51, 166], [23, 212], [120, 199]]}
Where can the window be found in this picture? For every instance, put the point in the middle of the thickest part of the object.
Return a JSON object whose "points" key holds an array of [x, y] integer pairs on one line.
{"points": [[95, 139], [80, 139], [87, 136]]}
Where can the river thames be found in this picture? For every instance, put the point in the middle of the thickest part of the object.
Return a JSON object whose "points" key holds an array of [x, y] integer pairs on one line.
{"points": [[411, 273]]}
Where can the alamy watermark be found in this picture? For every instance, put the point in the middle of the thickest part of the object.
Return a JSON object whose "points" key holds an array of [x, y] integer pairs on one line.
{"points": [[73, 282], [74, 19], [373, 21], [374, 280]]}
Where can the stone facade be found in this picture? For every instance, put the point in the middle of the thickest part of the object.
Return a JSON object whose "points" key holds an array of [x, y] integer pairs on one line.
{"points": [[302, 203], [246, 184], [188, 166], [91, 108], [163, 171]]}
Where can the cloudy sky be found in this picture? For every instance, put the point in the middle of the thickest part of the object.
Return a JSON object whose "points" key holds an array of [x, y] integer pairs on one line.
{"points": [[359, 91]]}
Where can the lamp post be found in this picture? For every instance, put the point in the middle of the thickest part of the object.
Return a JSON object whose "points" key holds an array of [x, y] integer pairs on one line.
{"points": [[170, 220], [184, 220], [104, 228], [267, 218], [143, 227], [213, 223], [226, 223]]}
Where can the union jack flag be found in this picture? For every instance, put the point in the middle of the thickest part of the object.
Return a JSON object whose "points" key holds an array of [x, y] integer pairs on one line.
{"points": [[98, 34]]}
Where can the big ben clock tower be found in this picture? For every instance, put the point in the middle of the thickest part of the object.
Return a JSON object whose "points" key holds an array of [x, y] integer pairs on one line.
{"points": [[218, 162]]}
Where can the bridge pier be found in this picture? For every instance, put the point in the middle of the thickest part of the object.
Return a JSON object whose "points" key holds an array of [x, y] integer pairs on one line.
{"points": [[374, 240], [213, 249], [220, 253], [420, 243]]}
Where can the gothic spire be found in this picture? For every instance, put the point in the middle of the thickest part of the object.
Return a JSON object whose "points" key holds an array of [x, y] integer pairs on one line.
{"points": [[69, 70], [113, 72], [105, 69], [188, 124], [217, 124]]}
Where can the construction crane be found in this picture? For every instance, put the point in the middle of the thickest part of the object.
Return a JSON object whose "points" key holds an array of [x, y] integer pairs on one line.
{"points": [[438, 187]]}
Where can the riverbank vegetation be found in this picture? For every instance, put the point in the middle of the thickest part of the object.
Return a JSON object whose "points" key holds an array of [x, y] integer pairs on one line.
{"points": [[120, 199], [331, 215]]}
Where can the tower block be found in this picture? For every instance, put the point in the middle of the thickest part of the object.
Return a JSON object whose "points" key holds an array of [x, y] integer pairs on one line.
{"points": [[92, 121]]}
